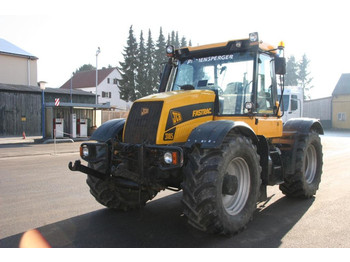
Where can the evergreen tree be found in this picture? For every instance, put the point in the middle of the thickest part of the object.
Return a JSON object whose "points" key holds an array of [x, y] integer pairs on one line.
{"points": [[172, 42], [143, 63], [304, 76], [152, 78], [177, 41], [129, 69], [291, 77], [183, 42], [141, 77], [159, 54], [174, 39], [168, 42]]}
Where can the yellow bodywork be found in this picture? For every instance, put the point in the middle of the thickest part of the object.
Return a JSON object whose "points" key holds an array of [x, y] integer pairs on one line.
{"points": [[183, 111], [265, 126], [174, 100]]}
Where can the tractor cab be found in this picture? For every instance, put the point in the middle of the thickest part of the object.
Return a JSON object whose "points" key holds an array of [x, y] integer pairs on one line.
{"points": [[241, 72]]}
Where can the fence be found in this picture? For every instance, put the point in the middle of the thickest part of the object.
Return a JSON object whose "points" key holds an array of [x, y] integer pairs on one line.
{"points": [[108, 115]]}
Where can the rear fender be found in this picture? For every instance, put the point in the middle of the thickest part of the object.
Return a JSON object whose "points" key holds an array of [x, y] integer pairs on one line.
{"points": [[212, 134], [293, 130], [303, 125]]}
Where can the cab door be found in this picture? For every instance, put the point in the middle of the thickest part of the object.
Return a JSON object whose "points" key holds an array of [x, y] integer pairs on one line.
{"points": [[267, 123]]}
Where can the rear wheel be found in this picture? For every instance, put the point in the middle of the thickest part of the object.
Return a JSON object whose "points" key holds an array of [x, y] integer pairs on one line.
{"points": [[308, 168], [108, 193], [221, 187]]}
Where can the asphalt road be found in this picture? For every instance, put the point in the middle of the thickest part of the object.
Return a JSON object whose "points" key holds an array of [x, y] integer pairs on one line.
{"points": [[38, 191]]}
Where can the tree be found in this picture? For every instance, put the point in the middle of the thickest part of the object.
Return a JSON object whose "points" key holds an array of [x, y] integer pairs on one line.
{"points": [[129, 69], [85, 67], [152, 74], [291, 77], [143, 62], [141, 77], [304, 76], [183, 42], [174, 39], [159, 54], [177, 41]]}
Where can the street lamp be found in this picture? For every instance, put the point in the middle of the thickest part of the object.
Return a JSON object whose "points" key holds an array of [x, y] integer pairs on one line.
{"points": [[71, 88], [42, 87], [97, 53]]}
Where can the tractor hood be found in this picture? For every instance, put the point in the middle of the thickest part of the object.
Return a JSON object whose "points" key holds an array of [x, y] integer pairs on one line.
{"points": [[169, 117]]}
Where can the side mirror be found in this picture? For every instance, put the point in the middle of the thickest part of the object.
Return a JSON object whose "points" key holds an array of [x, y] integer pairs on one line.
{"points": [[280, 66]]}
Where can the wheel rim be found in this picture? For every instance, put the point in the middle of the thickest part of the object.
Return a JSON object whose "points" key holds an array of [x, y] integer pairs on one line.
{"points": [[239, 168], [310, 164]]}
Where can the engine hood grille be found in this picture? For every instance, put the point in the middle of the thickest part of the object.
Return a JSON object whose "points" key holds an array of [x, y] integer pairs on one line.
{"points": [[142, 123]]}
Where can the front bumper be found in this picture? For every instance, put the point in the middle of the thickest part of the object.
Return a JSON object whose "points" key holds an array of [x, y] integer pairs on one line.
{"points": [[115, 159]]}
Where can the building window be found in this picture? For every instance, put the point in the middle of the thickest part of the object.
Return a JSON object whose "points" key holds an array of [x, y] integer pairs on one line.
{"points": [[341, 116], [107, 80], [115, 81], [106, 94]]}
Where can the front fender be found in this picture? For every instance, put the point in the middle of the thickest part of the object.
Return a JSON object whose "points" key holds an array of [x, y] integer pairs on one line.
{"points": [[212, 134], [108, 130]]}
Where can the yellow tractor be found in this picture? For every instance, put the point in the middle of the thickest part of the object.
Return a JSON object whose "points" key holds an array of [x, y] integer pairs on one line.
{"points": [[214, 131]]}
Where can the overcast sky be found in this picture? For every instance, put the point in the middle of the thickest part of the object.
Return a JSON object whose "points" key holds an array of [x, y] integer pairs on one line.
{"points": [[65, 34]]}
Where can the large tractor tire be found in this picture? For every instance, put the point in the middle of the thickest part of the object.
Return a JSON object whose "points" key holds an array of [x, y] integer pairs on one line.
{"points": [[108, 193], [308, 168], [221, 186]]}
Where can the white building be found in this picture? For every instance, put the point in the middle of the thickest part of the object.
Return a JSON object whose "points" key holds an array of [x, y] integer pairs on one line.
{"points": [[17, 67], [107, 88]]}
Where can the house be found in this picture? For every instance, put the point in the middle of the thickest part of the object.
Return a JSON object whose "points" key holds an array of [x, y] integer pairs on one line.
{"points": [[17, 66], [341, 103], [321, 109], [21, 109], [107, 86], [24, 107]]}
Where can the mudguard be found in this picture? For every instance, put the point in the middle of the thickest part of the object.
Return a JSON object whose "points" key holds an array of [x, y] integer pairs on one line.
{"points": [[108, 130], [303, 125], [293, 130], [212, 134]]}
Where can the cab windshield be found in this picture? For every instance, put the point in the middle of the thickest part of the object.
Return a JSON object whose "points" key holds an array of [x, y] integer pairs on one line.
{"points": [[231, 75]]}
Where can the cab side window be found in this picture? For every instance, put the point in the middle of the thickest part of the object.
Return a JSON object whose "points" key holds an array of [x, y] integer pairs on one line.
{"points": [[265, 81]]}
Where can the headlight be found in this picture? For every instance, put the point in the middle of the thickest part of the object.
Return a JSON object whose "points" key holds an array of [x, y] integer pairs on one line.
{"points": [[168, 158], [249, 106], [84, 151], [254, 37], [170, 50], [94, 152]]}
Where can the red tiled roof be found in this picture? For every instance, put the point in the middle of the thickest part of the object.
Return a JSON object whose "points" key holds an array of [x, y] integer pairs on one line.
{"points": [[87, 78]]}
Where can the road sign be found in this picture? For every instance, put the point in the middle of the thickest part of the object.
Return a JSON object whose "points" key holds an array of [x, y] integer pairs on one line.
{"points": [[57, 101]]}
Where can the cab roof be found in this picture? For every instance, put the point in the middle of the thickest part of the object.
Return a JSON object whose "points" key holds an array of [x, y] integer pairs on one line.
{"points": [[224, 48]]}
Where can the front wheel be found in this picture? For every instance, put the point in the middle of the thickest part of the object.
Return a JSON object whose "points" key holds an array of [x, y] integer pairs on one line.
{"points": [[110, 194], [308, 168], [221, 187]]}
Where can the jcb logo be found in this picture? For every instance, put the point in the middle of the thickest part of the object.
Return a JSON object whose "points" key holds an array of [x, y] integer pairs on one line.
{"points": [[176, 117], [144, 111]]}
